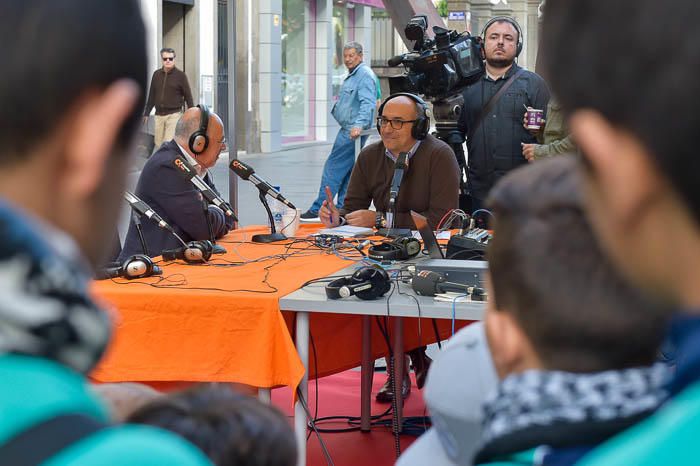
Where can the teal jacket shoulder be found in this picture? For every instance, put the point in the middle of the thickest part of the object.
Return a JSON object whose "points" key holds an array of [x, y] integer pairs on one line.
{"points": [[668, 437], [35, 389]]}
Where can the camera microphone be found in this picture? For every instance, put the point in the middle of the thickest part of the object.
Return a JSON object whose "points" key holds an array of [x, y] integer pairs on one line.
{"points": [[395, 60], [403, 59]]}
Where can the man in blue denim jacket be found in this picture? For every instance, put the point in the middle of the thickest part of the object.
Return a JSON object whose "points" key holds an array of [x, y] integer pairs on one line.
{"points": [[354, 112]]}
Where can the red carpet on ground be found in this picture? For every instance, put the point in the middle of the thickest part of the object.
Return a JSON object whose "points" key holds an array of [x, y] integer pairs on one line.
{"points": [[339, 395]]}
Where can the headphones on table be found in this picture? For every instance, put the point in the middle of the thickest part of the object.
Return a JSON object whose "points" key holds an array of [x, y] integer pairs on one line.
{"points": [[196, 252], [507, 19], [199, 141], [399, 249], [421, 126], [136, 266], [366, 283]]}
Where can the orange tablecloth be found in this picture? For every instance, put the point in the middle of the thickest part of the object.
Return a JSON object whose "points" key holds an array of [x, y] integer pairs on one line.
{"points": [[186, 333]]}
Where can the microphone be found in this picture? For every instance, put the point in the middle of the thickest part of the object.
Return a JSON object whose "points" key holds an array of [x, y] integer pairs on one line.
{"points": [[246, 172], [429, 283], [399, 168], [401, 59], [395, 60], [144, 209], [187, 171]]}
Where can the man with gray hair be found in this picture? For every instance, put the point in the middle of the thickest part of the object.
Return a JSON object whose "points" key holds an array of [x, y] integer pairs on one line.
{"points": [[173, 197], [354, 111]]}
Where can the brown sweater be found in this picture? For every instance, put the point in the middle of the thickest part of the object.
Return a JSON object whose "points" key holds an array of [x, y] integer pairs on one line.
{"points": [[430, 185], [168, 92]]}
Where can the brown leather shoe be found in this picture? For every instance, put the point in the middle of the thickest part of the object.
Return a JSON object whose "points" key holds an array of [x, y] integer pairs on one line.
{"points": [[386, 393], [421, 364]]}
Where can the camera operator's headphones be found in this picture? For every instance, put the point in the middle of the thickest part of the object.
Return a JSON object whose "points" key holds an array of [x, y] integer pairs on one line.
{"points": [[199, 141], [196, 252], [506, 19], [136, 266], [422, 124], [366, 283], [400, 249]]}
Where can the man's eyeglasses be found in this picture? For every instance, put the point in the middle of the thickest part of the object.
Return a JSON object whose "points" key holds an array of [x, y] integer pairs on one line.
{"points": [[168, 58], [396, 124]]}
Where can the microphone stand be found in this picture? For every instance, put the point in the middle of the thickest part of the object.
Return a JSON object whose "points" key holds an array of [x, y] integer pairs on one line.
{"points": [[273, 236], [390, 231], [217, 248], [136, 217]]}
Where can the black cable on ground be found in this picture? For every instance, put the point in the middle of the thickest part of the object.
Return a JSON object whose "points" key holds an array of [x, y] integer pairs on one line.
{"points": [[300, 396]]}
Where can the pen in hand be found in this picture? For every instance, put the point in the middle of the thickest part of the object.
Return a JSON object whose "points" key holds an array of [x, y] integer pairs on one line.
{"points": [[329, 202]]}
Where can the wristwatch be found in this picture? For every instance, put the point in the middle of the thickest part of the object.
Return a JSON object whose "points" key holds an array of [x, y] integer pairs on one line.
{"points": [[379, 221]]}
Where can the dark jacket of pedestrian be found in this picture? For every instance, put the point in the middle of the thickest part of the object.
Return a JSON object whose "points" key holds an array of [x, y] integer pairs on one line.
{"points": [[169, 92]]}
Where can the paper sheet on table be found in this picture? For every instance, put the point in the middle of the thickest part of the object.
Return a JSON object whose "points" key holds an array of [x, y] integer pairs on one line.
{"points": [[438, 235], [347, 231], [450, 296]]}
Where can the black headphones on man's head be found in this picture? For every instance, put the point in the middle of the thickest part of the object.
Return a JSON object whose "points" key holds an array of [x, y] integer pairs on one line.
{"points": [[421, 126], [366, 283], [507, 19], [400, 249], [199, 141], [136, 266]]}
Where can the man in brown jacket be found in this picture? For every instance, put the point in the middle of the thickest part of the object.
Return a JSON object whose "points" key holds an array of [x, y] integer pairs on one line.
{"points": [[169, 91], [430, 186]]}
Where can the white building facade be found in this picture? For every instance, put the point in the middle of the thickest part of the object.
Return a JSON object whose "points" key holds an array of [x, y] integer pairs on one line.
{"points": [[289, 64]]}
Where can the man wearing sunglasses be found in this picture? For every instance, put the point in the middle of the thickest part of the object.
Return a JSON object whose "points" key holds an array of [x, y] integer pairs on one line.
{"points": [[169, 91]]}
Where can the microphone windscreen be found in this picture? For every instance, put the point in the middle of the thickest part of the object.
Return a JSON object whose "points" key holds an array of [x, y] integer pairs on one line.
{"points": [[184, 167], [241, 169], [425, 283], [401, 160], [395, 60]]}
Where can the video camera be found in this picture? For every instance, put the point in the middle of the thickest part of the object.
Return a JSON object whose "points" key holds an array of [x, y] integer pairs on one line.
{"points": [[437, 67]]}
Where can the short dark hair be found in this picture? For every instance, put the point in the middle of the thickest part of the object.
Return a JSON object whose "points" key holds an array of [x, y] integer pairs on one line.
{"points": [[549, 272], [41, 83], [230, 428], [498, 20], [167, 50], [646, 87]]}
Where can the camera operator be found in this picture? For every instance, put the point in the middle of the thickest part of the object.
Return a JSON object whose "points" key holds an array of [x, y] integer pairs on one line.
{"points": [[492, 120]]}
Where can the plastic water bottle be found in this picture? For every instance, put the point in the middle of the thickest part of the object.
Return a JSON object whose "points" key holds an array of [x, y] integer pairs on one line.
{"points": [[277, 208]]}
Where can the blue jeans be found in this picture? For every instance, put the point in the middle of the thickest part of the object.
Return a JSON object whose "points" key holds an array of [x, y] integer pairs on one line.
{"points": [[337, 169]]}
